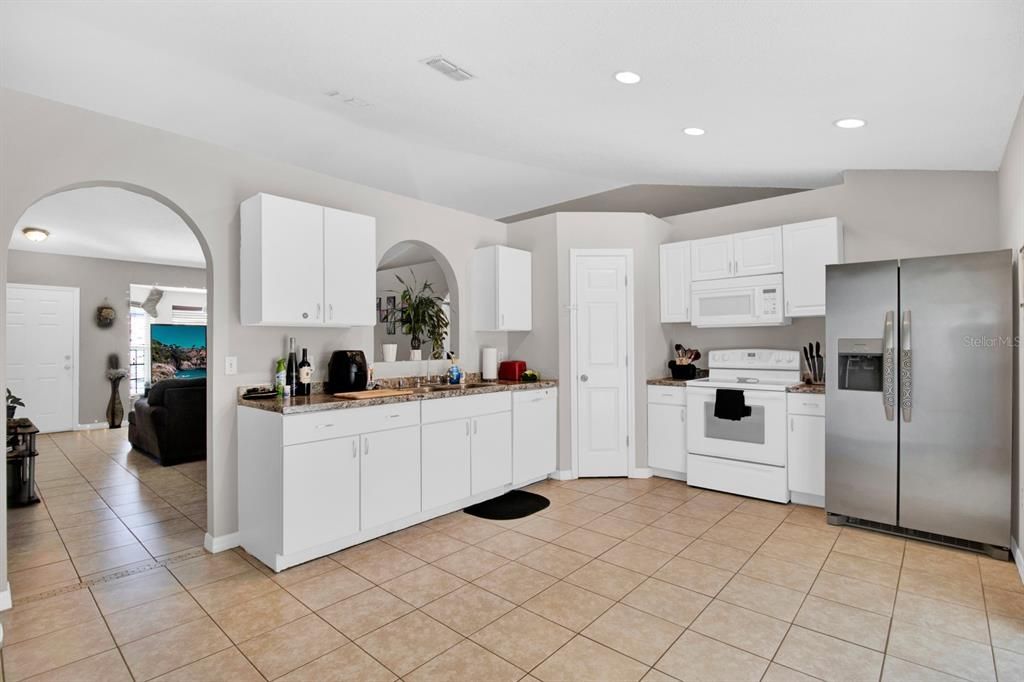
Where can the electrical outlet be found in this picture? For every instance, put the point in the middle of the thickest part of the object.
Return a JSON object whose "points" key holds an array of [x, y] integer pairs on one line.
{"points": [[230, 365]]}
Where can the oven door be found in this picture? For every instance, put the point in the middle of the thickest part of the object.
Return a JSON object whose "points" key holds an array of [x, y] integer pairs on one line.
{"points": [[759, 438]]}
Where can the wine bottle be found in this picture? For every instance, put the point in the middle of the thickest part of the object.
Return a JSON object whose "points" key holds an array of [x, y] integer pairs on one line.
{"points": [[291, 374], [305, 375]]}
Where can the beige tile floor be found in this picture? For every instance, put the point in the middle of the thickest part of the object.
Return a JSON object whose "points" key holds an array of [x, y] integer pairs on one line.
{"points": [[617, 580]]}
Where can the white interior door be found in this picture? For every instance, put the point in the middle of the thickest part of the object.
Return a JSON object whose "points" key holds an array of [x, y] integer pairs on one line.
{"points": [[601, 347], [42, 353]]}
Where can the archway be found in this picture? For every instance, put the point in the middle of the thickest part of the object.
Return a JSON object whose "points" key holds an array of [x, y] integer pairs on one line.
{"points": [[113, 489]]}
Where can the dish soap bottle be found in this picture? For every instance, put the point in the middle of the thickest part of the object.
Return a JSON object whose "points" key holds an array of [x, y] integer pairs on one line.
{"points": [[454, 373]]}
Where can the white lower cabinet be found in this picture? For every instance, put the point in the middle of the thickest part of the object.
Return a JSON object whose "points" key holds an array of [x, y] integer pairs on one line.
{"points": [[666, 428], [311, 484], [446, 452], [491, 451], [389, 475], [807, 448], [534, 435], [321, 492]]}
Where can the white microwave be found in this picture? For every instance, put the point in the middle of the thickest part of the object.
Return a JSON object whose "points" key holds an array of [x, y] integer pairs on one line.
{"points": [[738, 302]]}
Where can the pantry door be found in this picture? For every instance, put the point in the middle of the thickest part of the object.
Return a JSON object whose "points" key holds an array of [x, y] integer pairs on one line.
{"points": [[602, 339]]}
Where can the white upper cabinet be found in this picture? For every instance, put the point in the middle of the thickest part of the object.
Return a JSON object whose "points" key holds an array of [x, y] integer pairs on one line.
{"points": [[807, 248], [304, 265], [350, 269], [675, 282], [502, 279], [758, 252], [711, 258]]}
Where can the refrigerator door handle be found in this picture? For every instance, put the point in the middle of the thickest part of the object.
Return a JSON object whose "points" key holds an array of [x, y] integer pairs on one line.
{"points": [[906, 368], [889, 367]]}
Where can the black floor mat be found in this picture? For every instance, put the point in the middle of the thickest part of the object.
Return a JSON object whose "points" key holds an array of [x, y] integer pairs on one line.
{"points": [[515, 504]]}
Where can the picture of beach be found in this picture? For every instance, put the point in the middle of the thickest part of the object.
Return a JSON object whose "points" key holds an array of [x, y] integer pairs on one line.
{"points": [[177, 351]]}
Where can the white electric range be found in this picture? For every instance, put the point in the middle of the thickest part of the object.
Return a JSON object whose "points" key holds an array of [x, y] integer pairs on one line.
{"points": [[745, 456]]}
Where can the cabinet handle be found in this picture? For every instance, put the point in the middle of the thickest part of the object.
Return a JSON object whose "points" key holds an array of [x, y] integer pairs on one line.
{"points": [[366, 446], [330, 310], [787, 307], [354, 451], [474, 426], [667, 395], [503, 320], [393, 416], [682, 415], [318, 311], [467, 428], [323, 426]]}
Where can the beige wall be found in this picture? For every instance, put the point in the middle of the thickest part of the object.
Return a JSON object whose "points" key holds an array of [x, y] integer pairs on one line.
{"points": [[47, 146], [1011, 228], [98, 279]]}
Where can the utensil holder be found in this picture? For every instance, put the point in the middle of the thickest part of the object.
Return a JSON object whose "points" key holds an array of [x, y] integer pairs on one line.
{"points": [[683, 372]]}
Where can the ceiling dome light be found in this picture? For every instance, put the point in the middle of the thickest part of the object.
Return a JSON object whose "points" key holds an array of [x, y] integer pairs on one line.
{"points": [[850, 123], [627, 77], [693, 131], [35, 234]]}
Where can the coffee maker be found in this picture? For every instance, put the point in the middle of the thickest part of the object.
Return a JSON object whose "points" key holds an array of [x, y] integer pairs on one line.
{"points": [[346, 371]]}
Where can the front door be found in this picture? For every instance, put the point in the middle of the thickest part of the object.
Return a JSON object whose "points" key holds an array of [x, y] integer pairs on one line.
{"points": [[41, 353], [601, 346]]}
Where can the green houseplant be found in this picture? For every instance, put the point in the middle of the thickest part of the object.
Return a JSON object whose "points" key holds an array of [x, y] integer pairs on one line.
{"points": [[421, 315]]}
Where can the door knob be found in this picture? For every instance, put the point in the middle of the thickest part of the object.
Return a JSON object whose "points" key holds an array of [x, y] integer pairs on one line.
{"points": [[584, 378], [67, 366]]}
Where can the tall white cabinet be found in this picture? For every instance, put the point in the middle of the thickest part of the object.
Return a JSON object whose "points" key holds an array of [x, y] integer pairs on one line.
{"points": [[675, 281], [305, 265], [502, 289], [807, 248]]}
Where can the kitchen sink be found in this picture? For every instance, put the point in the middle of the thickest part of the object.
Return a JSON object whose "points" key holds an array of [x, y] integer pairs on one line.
{"points": [[434, 389]]}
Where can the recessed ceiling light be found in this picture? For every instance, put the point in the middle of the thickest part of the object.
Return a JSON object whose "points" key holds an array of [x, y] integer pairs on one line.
{"points": [[693, 131], [35, 234], [627, 77], [332, 93], [850, 123]]}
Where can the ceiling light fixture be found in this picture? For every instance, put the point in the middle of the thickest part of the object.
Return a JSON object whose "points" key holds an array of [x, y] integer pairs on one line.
{"points": [[35, 234], [693, 131], [850, 123], [627, 77], [447, 67]]}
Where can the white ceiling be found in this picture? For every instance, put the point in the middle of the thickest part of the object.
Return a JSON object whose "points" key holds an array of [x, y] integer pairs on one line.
{"points": [[938, 82], [105, 222]]}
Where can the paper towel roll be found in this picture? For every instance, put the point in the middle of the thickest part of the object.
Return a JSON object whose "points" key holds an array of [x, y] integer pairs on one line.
{"points": [[489, 363]]}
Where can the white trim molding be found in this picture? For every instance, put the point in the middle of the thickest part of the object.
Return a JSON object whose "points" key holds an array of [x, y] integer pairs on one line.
{"points": [[665, 473], [220, 543], [5, 599], [641, 472], [91, 427], [1018, 557], [562, 475]]}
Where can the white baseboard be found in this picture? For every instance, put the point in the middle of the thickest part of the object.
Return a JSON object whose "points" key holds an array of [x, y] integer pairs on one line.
{"points": [[665, 473], [641, 472], [807, 499], [1018, 557], [5, 598], [562, 475], [221, 542], [91, 427]]}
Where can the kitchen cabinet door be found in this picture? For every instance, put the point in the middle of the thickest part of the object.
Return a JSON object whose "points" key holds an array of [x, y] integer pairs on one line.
{"points": [[320, 493], [515, 289], [666, 437], [446, 477], [807, 454], [534, 434], [491, 451], [758, 252], [711, 258], [390, 475], [806, 249], [349, 269], [282, 271], [675, 282]]}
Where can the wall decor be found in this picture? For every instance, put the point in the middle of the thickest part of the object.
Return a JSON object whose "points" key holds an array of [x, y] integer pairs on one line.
{"points": [[115, 410], [105, 315], [389, 312]]}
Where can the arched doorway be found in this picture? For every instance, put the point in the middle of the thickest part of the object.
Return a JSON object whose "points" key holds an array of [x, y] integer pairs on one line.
{"points": [[94, 476]]}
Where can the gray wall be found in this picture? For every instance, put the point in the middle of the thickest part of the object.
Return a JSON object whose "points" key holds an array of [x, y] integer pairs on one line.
{"points": [[98, 279], [1011, 227], [47, 146]]}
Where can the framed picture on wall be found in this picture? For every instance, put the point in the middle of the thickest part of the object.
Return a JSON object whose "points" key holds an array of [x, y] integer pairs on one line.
{"points": [[381, 316], [389, 315]]}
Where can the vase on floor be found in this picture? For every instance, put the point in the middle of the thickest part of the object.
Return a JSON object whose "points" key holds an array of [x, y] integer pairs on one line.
{"points": [[115, 410]]}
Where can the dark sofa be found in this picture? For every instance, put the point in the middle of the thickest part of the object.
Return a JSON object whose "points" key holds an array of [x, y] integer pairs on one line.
{"points": [[169, 424]]}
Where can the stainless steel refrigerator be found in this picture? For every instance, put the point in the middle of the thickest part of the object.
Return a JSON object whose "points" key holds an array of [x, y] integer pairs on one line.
{"points": [[919, 397]]}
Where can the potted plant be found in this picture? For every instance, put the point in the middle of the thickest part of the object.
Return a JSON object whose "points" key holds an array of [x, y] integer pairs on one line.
{"points": [[422, 316], [13, 403]]}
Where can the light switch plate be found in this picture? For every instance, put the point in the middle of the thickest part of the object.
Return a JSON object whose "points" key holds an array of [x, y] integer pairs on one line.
{"points": [[230, 365]]}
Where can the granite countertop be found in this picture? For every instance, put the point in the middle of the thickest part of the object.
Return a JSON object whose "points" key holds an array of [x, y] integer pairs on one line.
{"points": [[816, 389], [669, 381], [318, 402]]}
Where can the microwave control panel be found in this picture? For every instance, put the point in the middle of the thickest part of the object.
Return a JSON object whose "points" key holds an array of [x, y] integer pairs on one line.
{"points": [[770, 301]]}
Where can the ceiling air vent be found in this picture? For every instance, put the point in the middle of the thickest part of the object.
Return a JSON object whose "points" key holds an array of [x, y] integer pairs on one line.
{"points": [[447, 68]]}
